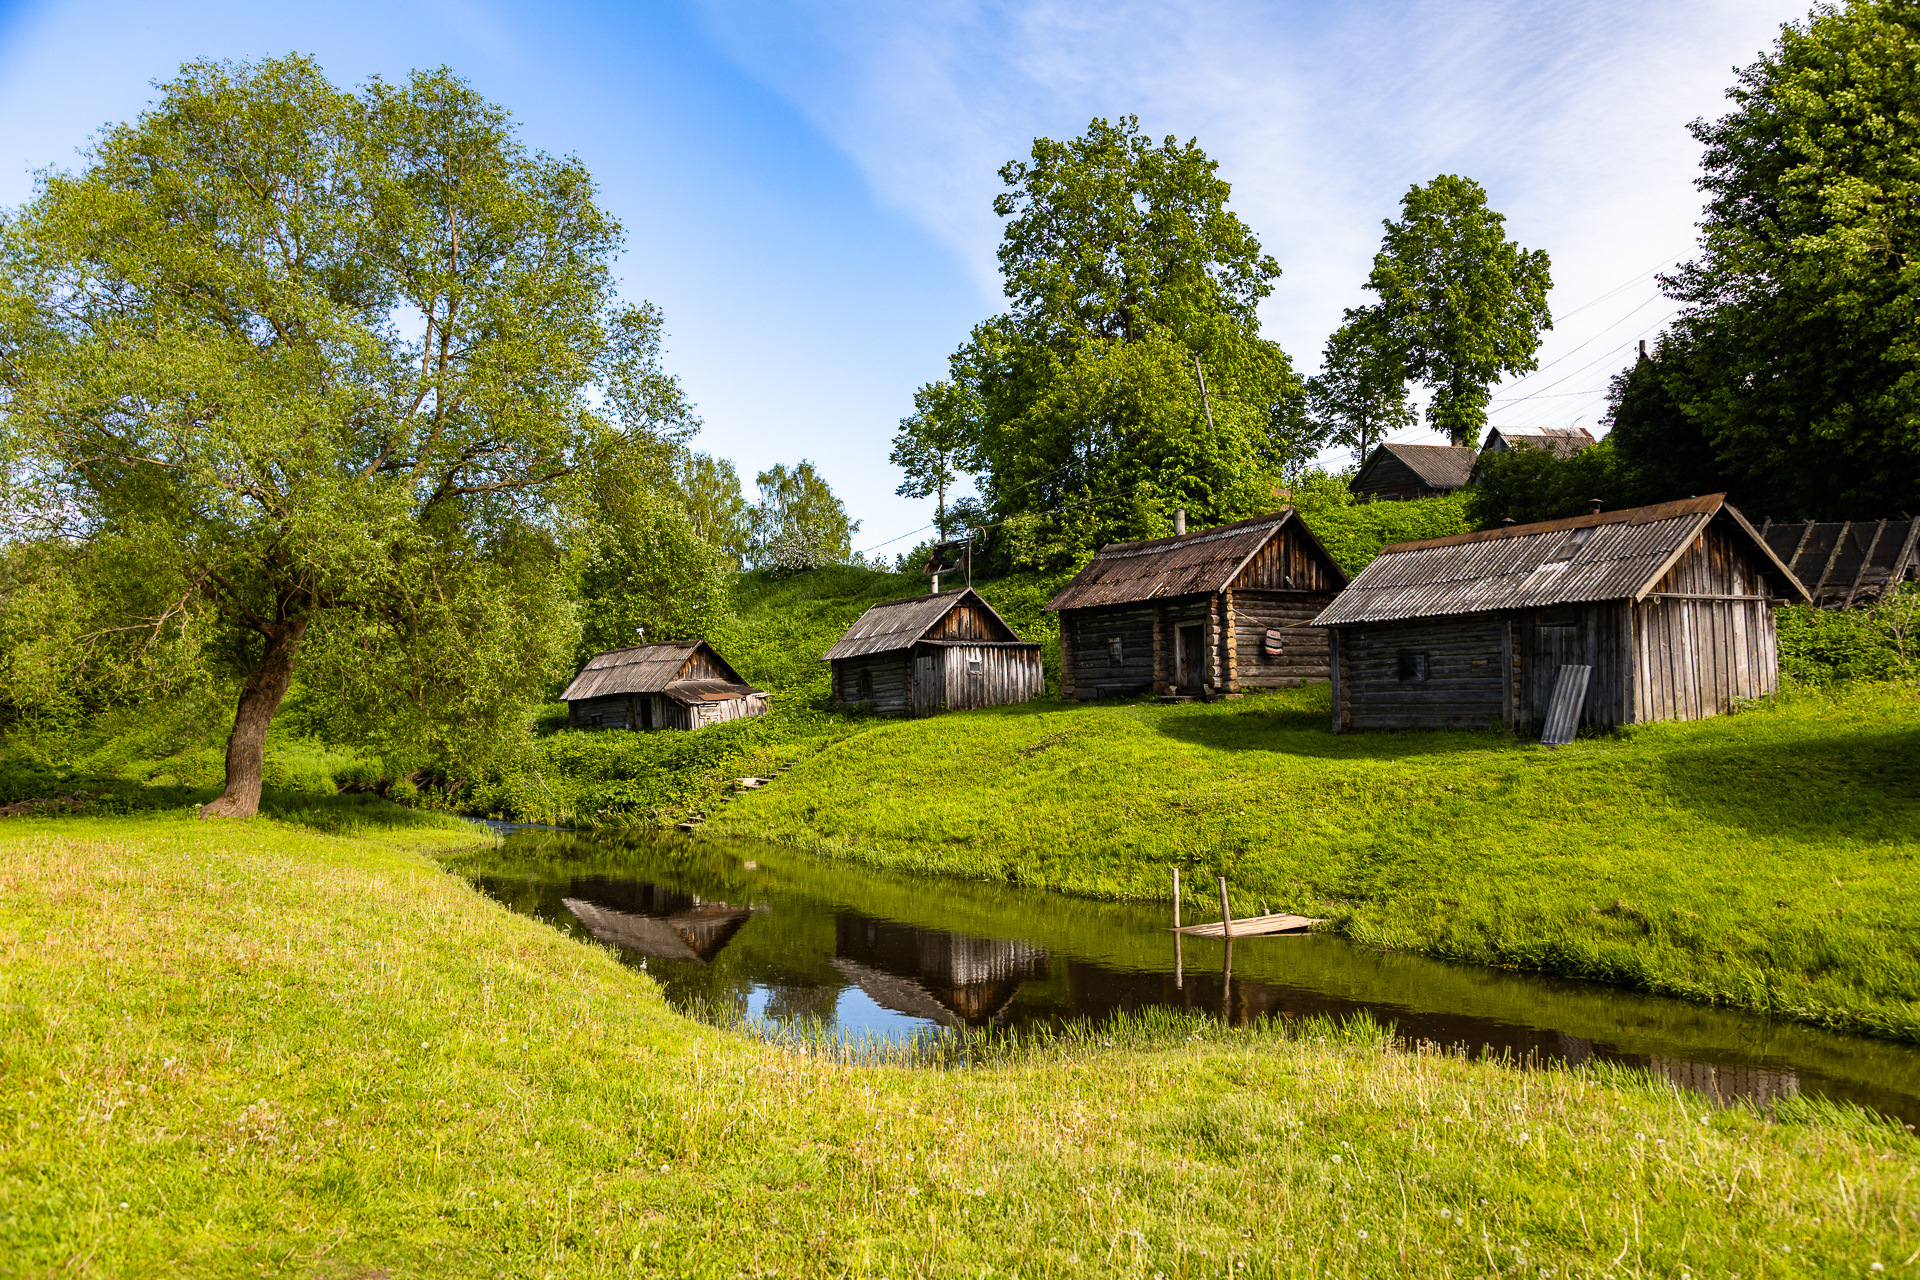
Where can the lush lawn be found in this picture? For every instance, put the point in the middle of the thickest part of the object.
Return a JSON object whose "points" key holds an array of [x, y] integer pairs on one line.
{"points": [[252, 1049], [1766, 859]]}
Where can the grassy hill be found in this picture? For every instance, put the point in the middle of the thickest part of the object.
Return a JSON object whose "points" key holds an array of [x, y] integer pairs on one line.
{"points": [[1769, 860]]}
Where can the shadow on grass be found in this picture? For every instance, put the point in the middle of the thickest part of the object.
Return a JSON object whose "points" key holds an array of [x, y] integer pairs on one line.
{"points": [[1306, 731], [1857, 786]]}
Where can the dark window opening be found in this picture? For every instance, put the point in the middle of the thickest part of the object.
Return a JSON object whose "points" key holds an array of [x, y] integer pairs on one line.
{"points": [[1115, 650], [646, 713], [1557, 618], [865, 682], [593, 721], [1412, 666], [973, 666]]}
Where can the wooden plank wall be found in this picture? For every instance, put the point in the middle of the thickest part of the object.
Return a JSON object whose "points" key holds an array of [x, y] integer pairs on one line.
{"points": [[622, 711], [968, 622], [701, 667], [1463, 687], [1285, 563], [1304, 654], [1391, 480], [892, 679], [1693, 657], [1095, 673], [1003, 676], [1595, 639]]}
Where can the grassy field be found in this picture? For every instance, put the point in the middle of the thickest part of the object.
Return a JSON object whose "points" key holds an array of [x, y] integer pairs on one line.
{"points": [[1765, 860], [254, 1050]]}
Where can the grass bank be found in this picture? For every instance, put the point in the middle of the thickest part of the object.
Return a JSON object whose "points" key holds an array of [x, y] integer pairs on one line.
{"points": [[1766, 860], [251, 1049]]}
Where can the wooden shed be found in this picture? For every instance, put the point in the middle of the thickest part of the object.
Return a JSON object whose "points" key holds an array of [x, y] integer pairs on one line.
{"points": [[1404, 472], [682, 684], [1223, 608], [1669, 606], [1851, 563], [943, 652], [1561, 442]]}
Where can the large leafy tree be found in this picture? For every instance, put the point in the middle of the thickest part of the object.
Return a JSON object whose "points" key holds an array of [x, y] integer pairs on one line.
{"points": [[1463, 304], [709, 490], [934, 445], [319, 382], [1792, 376], [1127, 279], [1359, 397], [799, 523]]}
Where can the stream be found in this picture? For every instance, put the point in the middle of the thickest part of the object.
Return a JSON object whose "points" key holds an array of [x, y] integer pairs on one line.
{"points": [[777, 936]]}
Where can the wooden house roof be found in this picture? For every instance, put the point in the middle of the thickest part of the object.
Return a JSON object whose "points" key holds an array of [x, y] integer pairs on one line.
{"points": [[1613, 555], [653, 668], [1439, 466], [900, 624], [1849, 561], [1562, 442], [696, 933], [1192, 564]]}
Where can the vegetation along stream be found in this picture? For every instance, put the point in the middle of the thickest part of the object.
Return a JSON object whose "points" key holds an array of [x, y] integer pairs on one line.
{"points": [[785, 940]]}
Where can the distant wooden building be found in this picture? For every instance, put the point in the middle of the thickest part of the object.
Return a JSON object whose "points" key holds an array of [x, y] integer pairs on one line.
{"points": [[1561, 442], [1222, 608], [931, 653], [1849, 564], [1405, 472], [1669, 606], [682, 684]]}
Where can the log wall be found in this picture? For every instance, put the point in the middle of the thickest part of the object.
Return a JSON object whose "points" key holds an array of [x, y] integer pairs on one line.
{"points": [[1303, 652], [1097, 671], [1455, 678], [892, 678]]}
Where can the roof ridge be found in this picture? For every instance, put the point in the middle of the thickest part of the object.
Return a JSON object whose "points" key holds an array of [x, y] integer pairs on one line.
{"points": [[1623, 515]]}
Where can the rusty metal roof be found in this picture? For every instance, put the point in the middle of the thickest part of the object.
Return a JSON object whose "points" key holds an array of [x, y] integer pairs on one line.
{"points": [[688, 692], [1192, 564], [1613, 555], [1848, 562], [641, 668], [899, 624]]}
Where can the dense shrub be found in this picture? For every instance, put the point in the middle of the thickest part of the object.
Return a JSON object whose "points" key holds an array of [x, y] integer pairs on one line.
{"points": [[1826, 646]]}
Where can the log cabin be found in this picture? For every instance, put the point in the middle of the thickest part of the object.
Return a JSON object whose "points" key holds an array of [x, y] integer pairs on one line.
{"points": [[1223, 609], [1670, 608], [924, 654], [682, 684], [1406, 472]]}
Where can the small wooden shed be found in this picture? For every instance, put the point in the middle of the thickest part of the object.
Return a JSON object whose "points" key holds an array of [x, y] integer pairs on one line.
{"points": [[942, 652], [1223, 608], [1561, 442], [1404, 472], [682, 684], [1669, 606], [1851, 563]]}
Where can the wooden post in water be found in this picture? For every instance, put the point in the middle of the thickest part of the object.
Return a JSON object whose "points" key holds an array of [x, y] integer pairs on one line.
{"points": [[1176, 897], [1226, 912], [1179, 952]]}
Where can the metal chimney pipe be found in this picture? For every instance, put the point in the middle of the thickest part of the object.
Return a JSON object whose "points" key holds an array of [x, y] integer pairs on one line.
{"points": [[1180, 523], [1593, 505]]}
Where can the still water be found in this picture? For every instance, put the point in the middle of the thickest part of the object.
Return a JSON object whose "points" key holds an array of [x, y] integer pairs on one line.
{"points": [[777, 936]]}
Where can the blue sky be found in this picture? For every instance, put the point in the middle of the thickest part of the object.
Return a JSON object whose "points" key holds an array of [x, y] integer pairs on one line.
{"points": [[806, 184]]}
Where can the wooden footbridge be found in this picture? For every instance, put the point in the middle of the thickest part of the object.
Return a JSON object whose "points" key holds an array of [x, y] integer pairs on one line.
{"points": [[1266, 926]]}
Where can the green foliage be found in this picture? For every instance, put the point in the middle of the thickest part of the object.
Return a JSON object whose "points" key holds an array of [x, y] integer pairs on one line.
{"points": [[798, 524], [1461, 303], [935, 445], [710, 490], [1353, 532], [1829, 646], [648, 575], [1792, 377], [299, 379], [1527, 483], [1084, 400], [1359, 397]]}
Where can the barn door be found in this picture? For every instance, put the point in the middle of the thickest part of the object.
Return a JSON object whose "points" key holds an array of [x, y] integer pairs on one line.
{"points": [[1193, 657], [928, 682], [1556, 643]]}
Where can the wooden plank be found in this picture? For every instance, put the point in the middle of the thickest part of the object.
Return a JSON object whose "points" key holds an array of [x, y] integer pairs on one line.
{"points": [[1866, 561], [1833, 556], [1252, 927], [1563, 711]]}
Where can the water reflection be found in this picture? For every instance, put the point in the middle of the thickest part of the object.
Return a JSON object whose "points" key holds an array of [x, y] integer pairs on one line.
{"points": [[774, 935]]}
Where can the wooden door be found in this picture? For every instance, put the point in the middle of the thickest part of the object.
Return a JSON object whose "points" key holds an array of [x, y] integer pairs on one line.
{"points": [[928, 682], [1556, 643], [1193, 657]]}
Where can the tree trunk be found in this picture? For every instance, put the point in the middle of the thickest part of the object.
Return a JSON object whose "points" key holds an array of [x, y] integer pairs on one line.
{"points": [[259, 699]]}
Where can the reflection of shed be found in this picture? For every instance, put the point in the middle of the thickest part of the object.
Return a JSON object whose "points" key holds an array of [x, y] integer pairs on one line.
{"points": [[1222, 607], [1854, 562], [656, 922], [684, 684], [1729, 1083], [1669, 607], [947, 978], [931, 653]]}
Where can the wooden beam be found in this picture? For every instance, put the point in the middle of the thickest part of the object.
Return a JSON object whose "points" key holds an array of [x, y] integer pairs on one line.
{"points": [[1866, 562], [1833, 556]]}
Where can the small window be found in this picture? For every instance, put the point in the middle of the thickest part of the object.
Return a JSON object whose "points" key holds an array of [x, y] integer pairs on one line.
{"points": [[1412, 666], [866, 682], [1570, 545], [1116, 651], [973, 666], [1557, 618]]}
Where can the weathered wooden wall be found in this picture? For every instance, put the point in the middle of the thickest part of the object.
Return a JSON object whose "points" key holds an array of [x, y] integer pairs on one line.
{"points": [[1303, 650], [628, 711], [965, 622], [1087, 651], [990, 675], [1390, 480], [1705, 635], [1459, 681], [1285, 563], [892, 681]]}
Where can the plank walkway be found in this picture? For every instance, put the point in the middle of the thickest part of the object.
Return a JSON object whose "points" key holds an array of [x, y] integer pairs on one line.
{"points": [[1252, 927]]}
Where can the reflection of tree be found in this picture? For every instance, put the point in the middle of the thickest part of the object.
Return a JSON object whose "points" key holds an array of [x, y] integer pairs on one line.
{"points": [[789, 1004]]}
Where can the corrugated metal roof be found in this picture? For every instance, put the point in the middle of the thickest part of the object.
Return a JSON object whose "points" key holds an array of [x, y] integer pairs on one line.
{"points": [[688, 692], [1614, 555], [1192, 564], [898, 624], [640, 668]]}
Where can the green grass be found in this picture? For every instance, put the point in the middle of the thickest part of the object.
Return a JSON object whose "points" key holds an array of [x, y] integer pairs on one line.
{"points": [[1765, 860], [246, 1049]]}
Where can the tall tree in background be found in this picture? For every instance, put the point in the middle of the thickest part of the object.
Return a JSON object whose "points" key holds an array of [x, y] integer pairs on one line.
{"points": [[934, 445], [799, 524], [1122, 267], [709, 490], [1464, 304], [300, 381], [1359, 397], [1792, 377]]}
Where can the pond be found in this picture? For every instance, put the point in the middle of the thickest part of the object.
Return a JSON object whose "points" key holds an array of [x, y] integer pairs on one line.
{"points": [[779, 937]]}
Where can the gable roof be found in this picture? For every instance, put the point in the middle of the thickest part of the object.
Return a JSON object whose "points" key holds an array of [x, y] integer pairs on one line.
{"points": [[1613, 555], [1191, 564], [644, 668], [899, 624], [1439, 466], [1848, 561], [1562, 442]]}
